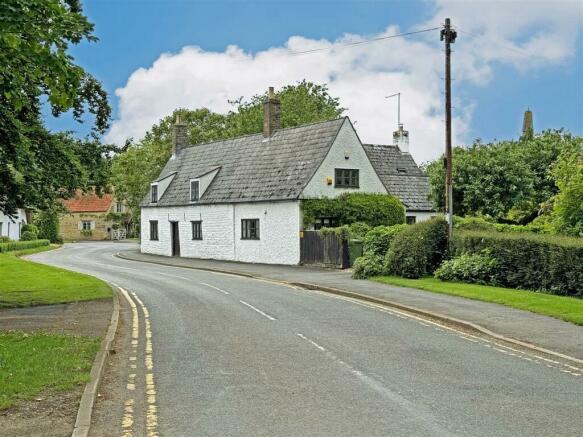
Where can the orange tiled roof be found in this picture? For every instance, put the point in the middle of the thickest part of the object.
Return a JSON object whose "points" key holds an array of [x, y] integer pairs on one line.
{"points": [[89, 202]]}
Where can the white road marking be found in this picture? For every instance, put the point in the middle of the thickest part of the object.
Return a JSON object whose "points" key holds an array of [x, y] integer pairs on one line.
{"points": [[216, 288], [258, 310], [114, 266]]}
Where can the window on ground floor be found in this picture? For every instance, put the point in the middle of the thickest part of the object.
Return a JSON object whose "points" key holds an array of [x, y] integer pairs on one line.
{"points": [[410, 219], [153, 229], [196, 230], [86, 225], [250, 229], [325, 222]]}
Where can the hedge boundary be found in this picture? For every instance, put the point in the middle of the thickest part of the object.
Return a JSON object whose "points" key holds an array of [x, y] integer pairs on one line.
{"points": [[539, 262], [19, 245]]}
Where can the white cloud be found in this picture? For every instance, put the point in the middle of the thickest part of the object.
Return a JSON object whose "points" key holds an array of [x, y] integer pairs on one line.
{"points": [[523, 34]]}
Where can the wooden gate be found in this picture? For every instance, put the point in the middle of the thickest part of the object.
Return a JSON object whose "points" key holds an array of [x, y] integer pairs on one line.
{"points": [[323, 249]]}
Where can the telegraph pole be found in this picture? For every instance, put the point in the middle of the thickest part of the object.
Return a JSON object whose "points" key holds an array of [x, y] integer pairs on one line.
{"points": [[448, 36]]}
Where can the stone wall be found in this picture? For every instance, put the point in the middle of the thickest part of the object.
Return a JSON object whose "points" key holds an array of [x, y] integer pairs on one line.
{"points": [[70, 228]]}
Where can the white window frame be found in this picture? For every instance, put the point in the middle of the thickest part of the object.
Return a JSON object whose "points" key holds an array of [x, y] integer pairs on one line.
{"points": [[152, 193], [190, 196], [83, 223], [119, 207]]}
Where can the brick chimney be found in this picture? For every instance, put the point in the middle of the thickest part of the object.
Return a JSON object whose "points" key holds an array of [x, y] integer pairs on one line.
{"points": [[179, 136], [271, 114]]}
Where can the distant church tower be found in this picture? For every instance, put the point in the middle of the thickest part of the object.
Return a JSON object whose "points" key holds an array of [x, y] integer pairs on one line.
{"points": [[527, 127]]}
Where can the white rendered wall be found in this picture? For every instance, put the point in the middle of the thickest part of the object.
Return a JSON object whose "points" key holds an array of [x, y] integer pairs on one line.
{"points": [[421, 216], [11, 227], [279, 225], [348, 144]]}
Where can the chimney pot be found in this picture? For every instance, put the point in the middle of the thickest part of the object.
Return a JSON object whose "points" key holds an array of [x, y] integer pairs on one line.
{"points": [[271, 114]]}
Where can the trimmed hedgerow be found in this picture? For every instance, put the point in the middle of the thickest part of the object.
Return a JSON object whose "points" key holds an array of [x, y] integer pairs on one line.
{"points": [[529, 261], [372, 209], [477, 268], [19, 245], [418, 249], [378, 239]]}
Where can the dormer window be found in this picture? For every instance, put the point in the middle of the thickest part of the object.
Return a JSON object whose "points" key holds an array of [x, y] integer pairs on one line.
{"points": [[154, 193], [194, 190]]}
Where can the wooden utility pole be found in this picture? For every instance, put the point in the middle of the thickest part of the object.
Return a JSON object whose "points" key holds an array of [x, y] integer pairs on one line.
{"points": [[448, 36]]}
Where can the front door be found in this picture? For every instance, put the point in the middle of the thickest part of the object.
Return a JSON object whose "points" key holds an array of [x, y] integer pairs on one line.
{"points": [[175, 238]]}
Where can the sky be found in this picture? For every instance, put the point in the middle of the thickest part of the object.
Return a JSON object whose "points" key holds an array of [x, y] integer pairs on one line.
{"points": [[510, 55]]}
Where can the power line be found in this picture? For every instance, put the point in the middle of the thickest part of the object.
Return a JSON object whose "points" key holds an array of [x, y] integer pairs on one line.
{"points": [[504, 46], [350, 44]]}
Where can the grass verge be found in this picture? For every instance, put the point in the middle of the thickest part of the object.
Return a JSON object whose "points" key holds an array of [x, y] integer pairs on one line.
{"points": [[33, 363], [561, 307], [25, 283]]}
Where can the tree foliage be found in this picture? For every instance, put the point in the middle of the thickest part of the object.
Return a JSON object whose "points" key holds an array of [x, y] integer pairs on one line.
{"points": [[568, 204], [507, 180], [141, 162], [35, 66]]}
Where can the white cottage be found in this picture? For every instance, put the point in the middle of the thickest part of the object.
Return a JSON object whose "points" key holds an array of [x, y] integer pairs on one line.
{"points": [[239, 199], [11, 227]]}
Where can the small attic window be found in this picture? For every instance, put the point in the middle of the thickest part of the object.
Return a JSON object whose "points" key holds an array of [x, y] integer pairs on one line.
{"points": [[194, 190], [154, 193], [401, 170]]}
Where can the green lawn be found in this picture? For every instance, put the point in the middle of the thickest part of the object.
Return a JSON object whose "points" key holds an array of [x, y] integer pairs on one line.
{"points": [[25, 283], [560, 307], [33, 363]]}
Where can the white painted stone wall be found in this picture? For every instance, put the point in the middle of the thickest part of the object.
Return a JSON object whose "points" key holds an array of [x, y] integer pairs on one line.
{"points": [[279, 225], [347, 144], [11, 227], [421, 216]]}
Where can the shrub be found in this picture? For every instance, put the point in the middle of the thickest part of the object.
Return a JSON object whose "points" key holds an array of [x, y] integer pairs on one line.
{"points": [[531, 227], [367, 266], [358, 230], [378, 240], [372, 209], [48, 225], [19, 245], [418, 249], [529, 261], [30, 227], [472, 223], [4, 239], [28, 236], [478, 268]]}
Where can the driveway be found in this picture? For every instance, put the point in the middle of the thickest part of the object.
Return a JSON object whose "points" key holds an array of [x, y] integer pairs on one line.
{"points": [[234, 356]]}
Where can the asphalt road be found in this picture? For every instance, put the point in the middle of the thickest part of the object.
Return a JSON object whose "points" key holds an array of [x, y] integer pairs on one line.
{"points": [[234, 356]]}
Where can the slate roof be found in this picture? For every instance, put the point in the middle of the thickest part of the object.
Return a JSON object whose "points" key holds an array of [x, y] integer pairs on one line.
{"points": [[251, 168], [88, 202], [400, 175]]}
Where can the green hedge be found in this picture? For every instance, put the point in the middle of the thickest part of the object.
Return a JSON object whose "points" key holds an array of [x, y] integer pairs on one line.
{"points": [[19, 245], [529, 261], [372, 209], [418, 249], [378, 240]]}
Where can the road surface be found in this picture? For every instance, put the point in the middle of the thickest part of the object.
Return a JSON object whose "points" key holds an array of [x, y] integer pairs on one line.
{"points": [[220, 355]]}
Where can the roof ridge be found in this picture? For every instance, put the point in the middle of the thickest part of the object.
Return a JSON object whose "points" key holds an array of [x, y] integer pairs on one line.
{"points": [[259, 133]]}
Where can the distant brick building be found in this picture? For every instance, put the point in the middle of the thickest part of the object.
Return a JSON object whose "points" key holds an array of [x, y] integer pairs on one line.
{"points": [[88, 216]]}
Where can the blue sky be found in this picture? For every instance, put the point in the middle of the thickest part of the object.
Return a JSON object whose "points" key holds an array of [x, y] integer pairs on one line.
{"points": [[134, 34]]}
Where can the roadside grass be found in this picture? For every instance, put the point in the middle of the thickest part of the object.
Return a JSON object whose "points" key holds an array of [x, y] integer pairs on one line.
{"points": [[565, 308], [34, 363], [25, 283]]}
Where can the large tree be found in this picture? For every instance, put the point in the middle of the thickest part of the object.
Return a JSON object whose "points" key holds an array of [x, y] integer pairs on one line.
{"points": [[508, 180], [36, 166], [141, 162]]}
